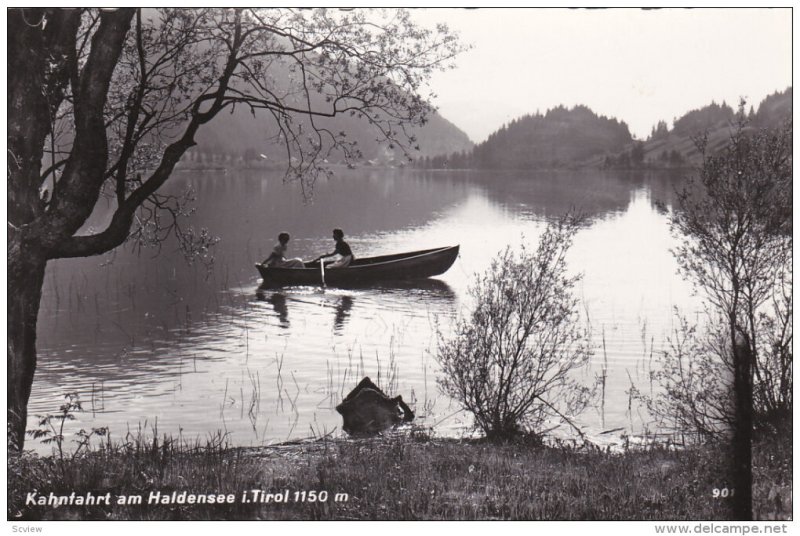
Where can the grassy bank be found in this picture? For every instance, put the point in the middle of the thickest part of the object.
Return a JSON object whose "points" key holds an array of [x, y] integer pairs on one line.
{"points": [[408, 477]]}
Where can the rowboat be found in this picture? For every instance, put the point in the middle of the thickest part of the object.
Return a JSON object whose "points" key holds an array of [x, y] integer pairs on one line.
{"points": [[412, 265]]}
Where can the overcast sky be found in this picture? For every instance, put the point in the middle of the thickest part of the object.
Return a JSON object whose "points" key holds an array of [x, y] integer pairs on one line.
{"points": [[639, 66]]}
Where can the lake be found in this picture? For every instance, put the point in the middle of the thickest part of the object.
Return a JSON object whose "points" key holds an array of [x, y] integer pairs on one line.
{"points": [[150, 341]]}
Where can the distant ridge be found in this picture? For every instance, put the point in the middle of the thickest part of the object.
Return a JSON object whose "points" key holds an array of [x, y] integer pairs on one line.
{"points": [[677, 148], [577, 137], [557, 138], [244, 139]]}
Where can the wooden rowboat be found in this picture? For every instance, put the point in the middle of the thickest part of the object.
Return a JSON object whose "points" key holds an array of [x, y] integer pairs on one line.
{"points": [[412, 265]]}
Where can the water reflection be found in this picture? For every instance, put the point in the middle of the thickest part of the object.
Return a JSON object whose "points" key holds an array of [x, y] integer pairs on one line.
{"points": [[431, 288], [278, 301], [377, 297], [544, 194], [342, 313]]}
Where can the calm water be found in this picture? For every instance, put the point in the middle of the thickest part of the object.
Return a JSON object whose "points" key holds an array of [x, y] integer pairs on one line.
{"points": [[145, 338]]}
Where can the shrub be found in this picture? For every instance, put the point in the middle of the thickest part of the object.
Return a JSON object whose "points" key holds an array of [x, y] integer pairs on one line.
{"points": [[734, 226], [695, 373], [510, 360]]}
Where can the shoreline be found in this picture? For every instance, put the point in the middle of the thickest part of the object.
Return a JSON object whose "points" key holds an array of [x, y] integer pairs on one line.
{"points": [[566, 168], [399, 476]]}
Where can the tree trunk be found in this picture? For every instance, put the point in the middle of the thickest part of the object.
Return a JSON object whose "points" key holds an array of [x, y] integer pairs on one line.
{"points": [[743, 428], [41, 43], [26, 268]]}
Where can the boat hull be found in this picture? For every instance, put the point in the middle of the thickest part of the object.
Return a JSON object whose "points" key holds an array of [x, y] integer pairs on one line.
{"points": [[413, 265]]}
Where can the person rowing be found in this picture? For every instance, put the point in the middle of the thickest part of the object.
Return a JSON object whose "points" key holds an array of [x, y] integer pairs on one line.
{"points": [[342, 250], [277, 259]]}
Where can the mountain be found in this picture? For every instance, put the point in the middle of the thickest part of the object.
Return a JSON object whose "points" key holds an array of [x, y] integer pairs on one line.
{"points": [[440, 136], [676, 147], [234, 135], [561, 137], [557, 138], [243, 135], [774, 109], [578, 137]]}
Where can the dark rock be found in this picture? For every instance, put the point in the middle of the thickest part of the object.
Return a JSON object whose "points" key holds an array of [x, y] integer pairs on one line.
{"points": [[367, 409]]}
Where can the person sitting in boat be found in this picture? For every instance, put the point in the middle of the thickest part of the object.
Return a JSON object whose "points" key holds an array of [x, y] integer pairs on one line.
{"points": [[342, 249], [277, 259]]}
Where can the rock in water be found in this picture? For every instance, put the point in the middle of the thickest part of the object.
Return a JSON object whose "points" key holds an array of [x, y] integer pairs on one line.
{"points": [[367, 410]]}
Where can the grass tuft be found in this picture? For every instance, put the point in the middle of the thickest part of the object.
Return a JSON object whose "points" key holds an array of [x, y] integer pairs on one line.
{"points": [[403, 476]]}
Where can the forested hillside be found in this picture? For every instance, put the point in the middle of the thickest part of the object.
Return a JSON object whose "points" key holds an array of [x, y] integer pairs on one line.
{"points": [[676, 147], [242, 138], [557, 138], [578, 137]]}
